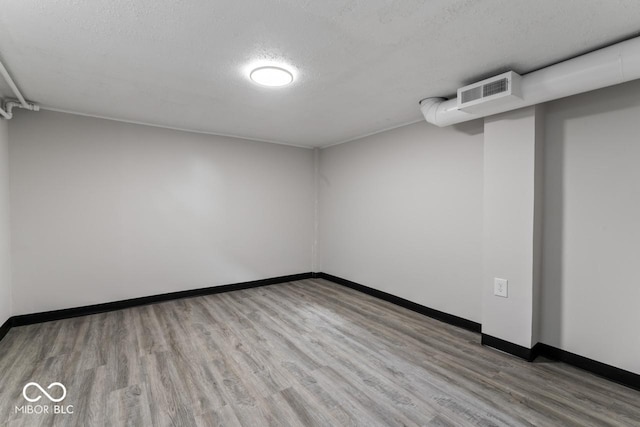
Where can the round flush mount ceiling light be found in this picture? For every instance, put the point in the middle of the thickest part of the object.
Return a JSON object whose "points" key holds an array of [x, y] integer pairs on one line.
{"points": [[271, 76]]}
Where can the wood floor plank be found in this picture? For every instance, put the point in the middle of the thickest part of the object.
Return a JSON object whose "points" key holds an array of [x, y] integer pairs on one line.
{"points": [[128, 407], [222, 417], [307, 353]]}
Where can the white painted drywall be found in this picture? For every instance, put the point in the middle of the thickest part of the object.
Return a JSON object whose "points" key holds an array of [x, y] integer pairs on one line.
{"points": [[591, 273], [5, 265], [401, 211], [510, 237], [104, 211]]}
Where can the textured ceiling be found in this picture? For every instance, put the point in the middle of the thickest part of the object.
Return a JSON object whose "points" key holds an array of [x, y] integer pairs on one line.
{"points": [[361, 66]]}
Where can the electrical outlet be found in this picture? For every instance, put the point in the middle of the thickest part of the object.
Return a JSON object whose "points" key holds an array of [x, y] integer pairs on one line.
{"points": [[500, 287]]}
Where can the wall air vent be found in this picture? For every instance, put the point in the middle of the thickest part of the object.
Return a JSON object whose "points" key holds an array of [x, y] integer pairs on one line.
{"points": [[490, 93]]}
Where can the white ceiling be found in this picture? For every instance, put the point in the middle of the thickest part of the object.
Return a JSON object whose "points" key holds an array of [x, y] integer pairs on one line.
{"points": [[361, 66]]}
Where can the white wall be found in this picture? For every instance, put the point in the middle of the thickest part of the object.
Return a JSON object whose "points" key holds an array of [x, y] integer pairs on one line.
{"points": [[104, 211], [591, 292], [5, 266], [401, 211]]}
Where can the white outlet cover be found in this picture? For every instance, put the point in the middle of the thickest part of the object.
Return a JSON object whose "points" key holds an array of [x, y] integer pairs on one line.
{"points": [[501, 287]]}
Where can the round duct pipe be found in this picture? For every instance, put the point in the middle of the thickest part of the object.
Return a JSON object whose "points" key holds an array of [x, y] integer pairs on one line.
{"points": [[608, 66]]}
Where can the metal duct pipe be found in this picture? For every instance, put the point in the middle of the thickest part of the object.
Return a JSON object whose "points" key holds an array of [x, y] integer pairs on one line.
{"points": [[608, 66]]}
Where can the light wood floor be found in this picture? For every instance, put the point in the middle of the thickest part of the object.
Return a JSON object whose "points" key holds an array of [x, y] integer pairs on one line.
{"points": [[301, 354]]}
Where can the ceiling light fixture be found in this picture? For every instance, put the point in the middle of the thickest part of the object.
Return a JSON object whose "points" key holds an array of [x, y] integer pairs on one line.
{"points": [[271, 76]]}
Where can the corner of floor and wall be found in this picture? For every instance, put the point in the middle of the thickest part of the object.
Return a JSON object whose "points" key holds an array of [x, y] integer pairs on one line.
{"points": [[544, 197]]}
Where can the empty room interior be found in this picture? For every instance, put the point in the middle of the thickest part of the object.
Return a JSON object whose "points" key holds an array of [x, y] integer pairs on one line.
{"points": [[331, 213]]}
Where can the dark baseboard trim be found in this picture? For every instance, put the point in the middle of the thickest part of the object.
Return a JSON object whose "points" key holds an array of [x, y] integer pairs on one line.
{"points": [[28, 319], [600, 369], [609, 372], [528, 354], [430, 312], [5, 327]]}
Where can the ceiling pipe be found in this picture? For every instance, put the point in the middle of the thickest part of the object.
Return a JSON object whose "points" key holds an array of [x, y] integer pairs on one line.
{"points": [[608, 66], [5, 114], [6, 110]]}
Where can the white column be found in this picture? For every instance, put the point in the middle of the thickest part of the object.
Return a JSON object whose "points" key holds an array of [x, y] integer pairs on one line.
{"points": [[512, 224]]}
